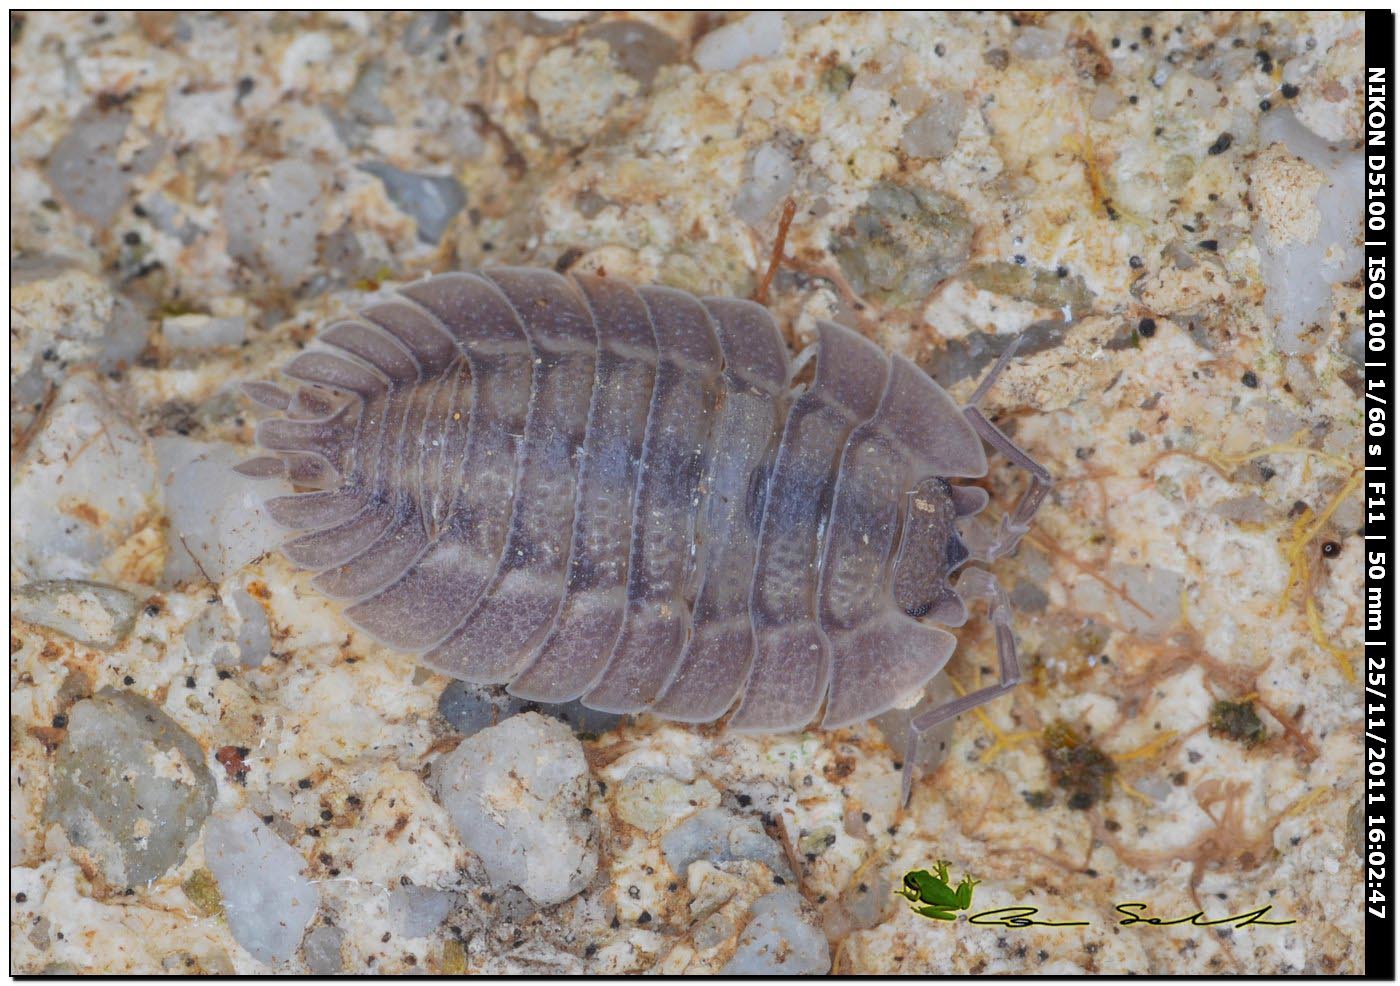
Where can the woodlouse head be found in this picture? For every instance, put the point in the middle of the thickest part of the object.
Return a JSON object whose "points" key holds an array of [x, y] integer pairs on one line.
{"points": [[931, 550]]}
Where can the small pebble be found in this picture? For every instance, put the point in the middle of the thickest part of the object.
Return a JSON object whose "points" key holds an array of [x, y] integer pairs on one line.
{"points": [[516, 792], [267, 902], [130, 785], [780, 939]]}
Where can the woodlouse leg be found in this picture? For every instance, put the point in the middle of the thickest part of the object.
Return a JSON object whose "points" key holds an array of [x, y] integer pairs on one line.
{"points": [[973, 584], [1015, 525]]}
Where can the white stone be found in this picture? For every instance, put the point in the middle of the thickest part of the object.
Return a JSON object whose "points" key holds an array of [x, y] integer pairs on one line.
{"points": [[517, 793], [195, 332], [267, 901], [233, 633], [649, 799], [717, 835], [771, 175], [756, 36], [217, 519], [273, 215], [1299, 275], [85, 166], [934, 132], [87, 482], [1155, 595], [1035, 43], [780, 939]]}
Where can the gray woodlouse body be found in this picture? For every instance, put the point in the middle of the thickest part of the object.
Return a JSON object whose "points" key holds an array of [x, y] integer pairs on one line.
{"points": [[587, 490]]}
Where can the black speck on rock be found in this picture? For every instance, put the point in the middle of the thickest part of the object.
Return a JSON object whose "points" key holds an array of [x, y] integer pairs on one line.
{"points": [[1222, 143]]}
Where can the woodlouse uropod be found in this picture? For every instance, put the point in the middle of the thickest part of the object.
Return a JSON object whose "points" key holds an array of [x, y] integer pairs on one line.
{"points": [[584, 489]]}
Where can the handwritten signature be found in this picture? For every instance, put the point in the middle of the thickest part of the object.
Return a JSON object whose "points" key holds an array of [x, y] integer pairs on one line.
{"points": [[1199, 918], [1023, 916], [1018, 917]]}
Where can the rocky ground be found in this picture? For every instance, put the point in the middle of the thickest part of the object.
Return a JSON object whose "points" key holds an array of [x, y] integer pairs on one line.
{"points": [[211, 771]]}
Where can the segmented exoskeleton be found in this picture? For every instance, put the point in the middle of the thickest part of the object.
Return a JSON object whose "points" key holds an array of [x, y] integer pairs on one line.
{"points": [[627, 495]]}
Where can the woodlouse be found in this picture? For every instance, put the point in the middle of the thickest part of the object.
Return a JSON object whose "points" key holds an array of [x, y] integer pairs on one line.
{"points": [[630, 496]]}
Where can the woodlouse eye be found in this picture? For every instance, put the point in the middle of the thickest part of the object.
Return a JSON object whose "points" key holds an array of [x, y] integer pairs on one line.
{"points": [[918, 611]]}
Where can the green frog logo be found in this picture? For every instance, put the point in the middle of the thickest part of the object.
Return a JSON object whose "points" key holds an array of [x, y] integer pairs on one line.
{"points": [[940, 901]]}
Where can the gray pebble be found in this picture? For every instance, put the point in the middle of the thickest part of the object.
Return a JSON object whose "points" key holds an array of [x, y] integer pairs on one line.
{"points": [[902, 242], [719, 835], [130, 786], [321, 950], [91, 613], [432, 200]]}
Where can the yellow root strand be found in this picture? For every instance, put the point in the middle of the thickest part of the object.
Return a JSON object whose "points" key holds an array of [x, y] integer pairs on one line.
{"points": [[1316, 794], [1133, 792], [1226, 461], [1003, 739], [1320, 638], [1303, 532], [1149, 749]]}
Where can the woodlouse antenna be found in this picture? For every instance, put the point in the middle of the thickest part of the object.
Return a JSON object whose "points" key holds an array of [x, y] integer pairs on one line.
{"points": [[991, 378]]}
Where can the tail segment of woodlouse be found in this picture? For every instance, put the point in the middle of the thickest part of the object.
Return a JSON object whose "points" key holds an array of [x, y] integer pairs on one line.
{"points": [[425, 602], [585, 489]]}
